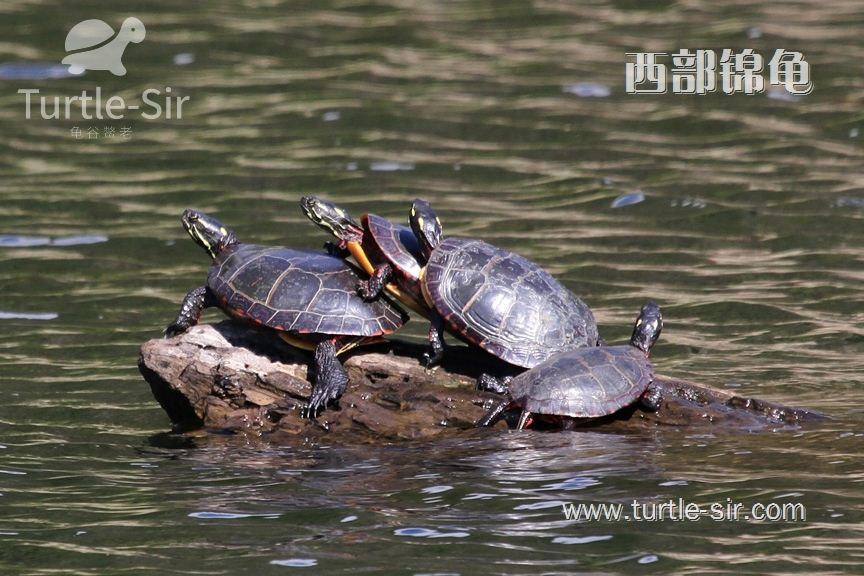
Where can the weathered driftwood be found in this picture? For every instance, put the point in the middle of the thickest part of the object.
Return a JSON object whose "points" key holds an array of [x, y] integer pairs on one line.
{"points": [[231, 376]]}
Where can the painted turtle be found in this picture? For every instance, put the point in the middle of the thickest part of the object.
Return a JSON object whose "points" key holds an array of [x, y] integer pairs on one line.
{"points": [[587, 382], [498, 300], [308, 297], [388, 252]]}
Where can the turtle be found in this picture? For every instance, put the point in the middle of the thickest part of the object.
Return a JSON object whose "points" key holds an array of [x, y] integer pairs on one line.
{"points": [[388, 252], [495, 299], [586, 383], [94, 45], [308, 297]]}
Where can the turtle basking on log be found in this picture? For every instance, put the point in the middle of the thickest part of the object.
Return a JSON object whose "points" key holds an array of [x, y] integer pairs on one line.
{"points": [[487, 296], [233, 376], [309, 298], [386, 251], [585, 383], [496, 299]]}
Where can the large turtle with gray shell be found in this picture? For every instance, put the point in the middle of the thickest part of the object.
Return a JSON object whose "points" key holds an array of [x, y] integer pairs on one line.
{"points": [[587, 382], [496, 299]]}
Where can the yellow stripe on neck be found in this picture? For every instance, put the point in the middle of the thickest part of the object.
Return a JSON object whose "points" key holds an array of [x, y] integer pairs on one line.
{"points": [[356, 250]]}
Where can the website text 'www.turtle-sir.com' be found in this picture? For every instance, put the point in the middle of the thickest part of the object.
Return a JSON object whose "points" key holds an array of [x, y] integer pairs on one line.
{"points": [[682, 511]]}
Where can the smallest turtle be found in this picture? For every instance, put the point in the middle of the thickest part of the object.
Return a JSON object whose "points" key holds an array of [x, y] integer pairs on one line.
{"points": [[585, 383]]}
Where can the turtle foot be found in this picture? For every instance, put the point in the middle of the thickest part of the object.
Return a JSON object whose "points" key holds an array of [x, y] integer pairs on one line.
{"points": [[366, 291], [190, 310], [176, 328], [331, 379], [492, 416], [489, 383], [432, 358], [317, 404], [651, 399], [371, 288]]}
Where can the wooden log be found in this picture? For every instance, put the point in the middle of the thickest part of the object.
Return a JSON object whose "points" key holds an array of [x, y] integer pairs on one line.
{"points": [[234, 377]]}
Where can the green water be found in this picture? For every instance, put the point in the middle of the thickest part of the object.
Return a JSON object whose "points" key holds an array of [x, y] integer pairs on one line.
{"points": [[749, 236]]}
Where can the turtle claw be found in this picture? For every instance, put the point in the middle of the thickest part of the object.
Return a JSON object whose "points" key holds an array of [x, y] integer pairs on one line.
{"points": [[320, 398], [316, 405], [330, 380], [432, 358], [371, 288], [307, 412], [494, 413], [190, 310], [174, 329], [177, 328]]}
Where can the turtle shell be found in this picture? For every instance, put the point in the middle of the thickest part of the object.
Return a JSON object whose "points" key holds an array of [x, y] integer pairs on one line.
{"points": [[384, 241], [297, 291], [505, 303], [584, 383], [88, 34], [396, 243]]}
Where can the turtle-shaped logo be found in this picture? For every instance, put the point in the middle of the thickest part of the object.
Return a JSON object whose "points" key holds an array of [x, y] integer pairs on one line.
{"points": [[93, 45]]}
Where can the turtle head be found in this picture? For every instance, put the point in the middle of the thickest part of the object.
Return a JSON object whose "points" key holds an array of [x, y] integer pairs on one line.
{"points": [[426, 226], [207, 231], [133, 30], [332, 218], [648, 327]]}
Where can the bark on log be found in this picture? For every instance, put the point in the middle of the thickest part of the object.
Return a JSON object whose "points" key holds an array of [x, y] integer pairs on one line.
{"points": [[234, 377]]}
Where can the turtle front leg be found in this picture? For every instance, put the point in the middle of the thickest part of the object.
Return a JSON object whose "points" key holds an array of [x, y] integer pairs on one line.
{"points": [[331, 379], [652, 398], [489, 383], [494, 414], [371, 288], [436, 340], [190, 310]]}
